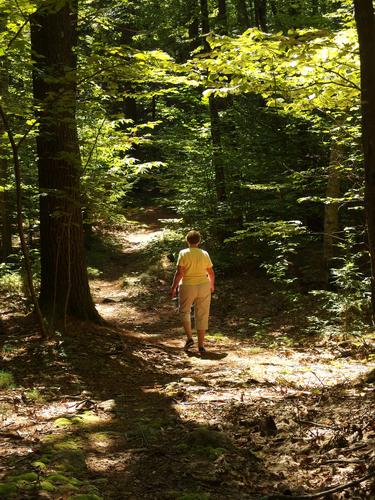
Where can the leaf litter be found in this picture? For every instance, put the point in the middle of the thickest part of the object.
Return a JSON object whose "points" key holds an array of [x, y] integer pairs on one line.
{"points": [[122, 411]]}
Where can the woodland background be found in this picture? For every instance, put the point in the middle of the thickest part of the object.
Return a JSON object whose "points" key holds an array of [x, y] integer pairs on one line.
{"points": [[252, 121]]}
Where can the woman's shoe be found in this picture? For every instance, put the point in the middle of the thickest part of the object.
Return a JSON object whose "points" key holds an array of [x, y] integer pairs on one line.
{"points": [[189, 343], [202, 350]]}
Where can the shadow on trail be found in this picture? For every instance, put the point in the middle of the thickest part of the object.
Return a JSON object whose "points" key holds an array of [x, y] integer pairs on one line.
{"points": [[139, 448], [216, 356]]}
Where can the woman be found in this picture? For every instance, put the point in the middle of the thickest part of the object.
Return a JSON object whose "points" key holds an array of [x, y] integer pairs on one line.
{"points": [[195, 278]]}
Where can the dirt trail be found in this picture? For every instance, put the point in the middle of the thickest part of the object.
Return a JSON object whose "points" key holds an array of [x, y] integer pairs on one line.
{"points": [[125, 413], [156, 322], [239, 380]]}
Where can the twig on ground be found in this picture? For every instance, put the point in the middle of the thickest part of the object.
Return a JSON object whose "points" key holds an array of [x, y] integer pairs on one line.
{"points": [[316, 424], [343, 460], [322, 493]]}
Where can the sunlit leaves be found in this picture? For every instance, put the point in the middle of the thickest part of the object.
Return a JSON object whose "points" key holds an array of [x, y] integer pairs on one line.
{"points": [[300, 71]]}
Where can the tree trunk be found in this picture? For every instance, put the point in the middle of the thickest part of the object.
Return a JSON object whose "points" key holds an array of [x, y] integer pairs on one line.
{"points": [[331, 209], [5, 215], [193, 26], [64, 281], [261, 14], [130, 104], [215, 120], [364, 17], [217, 156], [242, 13], [5, 212], [222, 18]]}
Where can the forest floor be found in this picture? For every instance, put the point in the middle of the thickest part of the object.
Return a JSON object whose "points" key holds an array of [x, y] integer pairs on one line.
{"points": [[276, 407]]}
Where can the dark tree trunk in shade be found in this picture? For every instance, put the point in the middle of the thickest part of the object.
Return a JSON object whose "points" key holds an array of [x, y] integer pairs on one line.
{"points": [[260, 7], [222, 18], [217, 160], [193, 25], [5, 209], [64, 281], [365, 21], [242, 14]]}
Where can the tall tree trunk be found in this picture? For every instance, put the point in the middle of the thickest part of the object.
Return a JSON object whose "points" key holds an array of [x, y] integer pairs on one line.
{"points": [[5, 211], [242, 14], [331, 209], [193, 26], [217, 153], [217, 160], [64, 281], [364, 17], [261, 14], [130, 104], [222, 18]]}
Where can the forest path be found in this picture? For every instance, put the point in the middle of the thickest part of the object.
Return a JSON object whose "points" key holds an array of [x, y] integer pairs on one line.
{"points": [[122, 412], [254, 379], [138, 301]]}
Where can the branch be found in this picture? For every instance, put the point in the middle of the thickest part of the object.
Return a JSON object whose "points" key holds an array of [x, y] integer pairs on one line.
{"points": [[93, 146], [322, 493], [25, 251], [20, 29]]}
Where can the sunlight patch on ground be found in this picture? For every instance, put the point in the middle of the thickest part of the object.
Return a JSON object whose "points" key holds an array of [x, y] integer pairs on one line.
{"points": [[143, 238]]}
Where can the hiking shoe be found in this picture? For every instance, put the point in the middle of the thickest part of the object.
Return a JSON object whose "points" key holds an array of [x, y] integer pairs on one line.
{"points": [[202, 350], [189, 343]]}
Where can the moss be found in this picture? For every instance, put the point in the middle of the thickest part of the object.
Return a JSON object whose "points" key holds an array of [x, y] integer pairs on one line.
{"points": [[6, 380], [39, 464], [34, 395], [87, 418], [26, 477], [7, 489], [182, 447], [58, 479], [70, 444], [47, 486], [67, 460], [85, 496], [62, 422], [75, 482], [67, 488]]}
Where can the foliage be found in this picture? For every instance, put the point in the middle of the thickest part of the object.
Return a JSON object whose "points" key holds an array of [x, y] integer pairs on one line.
{"points": [[6, 380], [349, 302]]}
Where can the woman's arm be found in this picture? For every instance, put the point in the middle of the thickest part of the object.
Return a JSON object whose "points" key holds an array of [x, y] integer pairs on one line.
{"points": [[211, 276], [179, 274]]}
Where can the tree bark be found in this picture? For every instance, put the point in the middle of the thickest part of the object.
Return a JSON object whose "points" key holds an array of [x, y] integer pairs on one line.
{"points": [[331, 209], [193, 26], [261, 14], [242, 14], [222, 18], [217, 160], [64, 281], [365, 21], [5, 210]]}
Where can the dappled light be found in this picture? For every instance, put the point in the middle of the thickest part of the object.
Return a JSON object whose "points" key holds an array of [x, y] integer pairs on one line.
{"points": [[187, 249], [101, 414]]}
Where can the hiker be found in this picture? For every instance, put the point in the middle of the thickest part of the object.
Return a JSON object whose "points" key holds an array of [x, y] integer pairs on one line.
{"points": [[195, 279]]}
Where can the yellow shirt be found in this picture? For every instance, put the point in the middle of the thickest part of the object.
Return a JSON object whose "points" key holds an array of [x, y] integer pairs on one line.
{"points": [[195, 263]]}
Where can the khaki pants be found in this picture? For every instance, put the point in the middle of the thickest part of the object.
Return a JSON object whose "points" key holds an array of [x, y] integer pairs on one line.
{"points": [[200, 296]]}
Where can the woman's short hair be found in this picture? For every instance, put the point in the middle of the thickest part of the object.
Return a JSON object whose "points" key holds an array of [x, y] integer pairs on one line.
{"points": [[193, 237]]}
